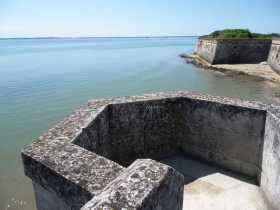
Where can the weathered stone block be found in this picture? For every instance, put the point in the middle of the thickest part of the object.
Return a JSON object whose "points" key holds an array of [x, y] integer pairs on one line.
{"points": [[144, 185]]}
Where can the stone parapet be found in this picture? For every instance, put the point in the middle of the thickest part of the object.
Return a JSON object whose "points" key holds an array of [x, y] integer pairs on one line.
{"points": [[144, 185], [91, 157]]}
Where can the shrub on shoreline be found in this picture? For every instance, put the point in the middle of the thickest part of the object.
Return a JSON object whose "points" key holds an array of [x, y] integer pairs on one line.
{"points": [[239, 34]]}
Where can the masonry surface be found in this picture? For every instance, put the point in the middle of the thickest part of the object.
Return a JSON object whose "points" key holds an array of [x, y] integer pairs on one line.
{"points": [[274, 56], [108, 154], [228, 51]]}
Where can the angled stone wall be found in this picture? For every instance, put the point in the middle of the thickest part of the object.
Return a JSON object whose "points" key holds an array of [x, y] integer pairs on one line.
{"points": [[206, 49], [229, 51], [124, 132], [226, 135], [146, 129], [274, 56]]}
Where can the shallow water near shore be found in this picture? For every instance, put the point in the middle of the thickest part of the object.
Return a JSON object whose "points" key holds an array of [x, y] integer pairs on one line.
{"points": [[44, 80]]}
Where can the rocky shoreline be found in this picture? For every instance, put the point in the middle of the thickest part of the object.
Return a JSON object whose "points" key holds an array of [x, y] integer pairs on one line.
{"points": [[260, 70]]}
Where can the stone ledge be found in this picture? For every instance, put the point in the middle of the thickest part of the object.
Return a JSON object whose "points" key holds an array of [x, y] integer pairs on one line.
{"points": [[144, 185]]}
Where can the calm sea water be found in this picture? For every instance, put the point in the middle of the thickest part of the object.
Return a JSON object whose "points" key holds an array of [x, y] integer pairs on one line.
{"points": [[43, 80]]}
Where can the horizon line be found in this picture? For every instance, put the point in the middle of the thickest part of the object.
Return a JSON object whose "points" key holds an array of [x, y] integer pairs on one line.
{"points": [[63, 37]]}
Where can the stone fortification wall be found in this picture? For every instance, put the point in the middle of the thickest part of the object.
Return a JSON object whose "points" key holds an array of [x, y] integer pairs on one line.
{"points": [[226, 135], [161, 128], [228, 51], [91, 159], [274, 56], [144, 185], [206, 48]]}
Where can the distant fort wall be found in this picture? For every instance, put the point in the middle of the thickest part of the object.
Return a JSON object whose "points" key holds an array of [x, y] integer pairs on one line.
{"points": [[229, 51], [274, 55]]}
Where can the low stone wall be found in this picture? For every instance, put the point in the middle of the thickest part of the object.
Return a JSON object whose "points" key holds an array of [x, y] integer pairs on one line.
{"points": [[270, 176], [228, 51], [161, 128], [274, 56], [124, 132], [81, 163], [226, 135]]}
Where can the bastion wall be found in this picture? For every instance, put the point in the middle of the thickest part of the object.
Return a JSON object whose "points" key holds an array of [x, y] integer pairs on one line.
{"points": [[206, 49], [274, 55], [101, 155], [229, 51]]}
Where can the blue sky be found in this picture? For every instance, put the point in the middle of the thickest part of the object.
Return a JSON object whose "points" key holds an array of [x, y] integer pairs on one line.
{"points": [[21, 18]]}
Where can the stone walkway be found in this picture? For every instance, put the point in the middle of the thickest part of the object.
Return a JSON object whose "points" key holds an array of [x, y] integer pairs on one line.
{"points": [[210, 188]]}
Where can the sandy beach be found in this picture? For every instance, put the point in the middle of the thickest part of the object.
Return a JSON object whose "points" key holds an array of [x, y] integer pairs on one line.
{"points": [[259, 70]]}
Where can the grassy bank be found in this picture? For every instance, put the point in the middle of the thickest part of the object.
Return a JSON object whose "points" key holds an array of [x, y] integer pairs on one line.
{"points": [[239, 34]]}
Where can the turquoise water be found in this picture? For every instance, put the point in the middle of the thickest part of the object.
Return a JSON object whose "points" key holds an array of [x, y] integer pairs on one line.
{"points": [[43, 80]]}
